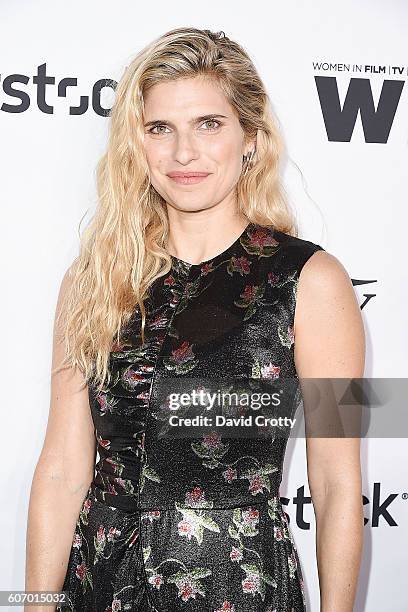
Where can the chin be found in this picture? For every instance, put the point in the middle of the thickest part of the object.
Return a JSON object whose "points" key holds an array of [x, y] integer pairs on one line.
{"points": [[190, 207]]}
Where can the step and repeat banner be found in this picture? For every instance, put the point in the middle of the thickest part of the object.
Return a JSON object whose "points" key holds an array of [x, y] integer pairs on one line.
{"points": [[337, 75]]}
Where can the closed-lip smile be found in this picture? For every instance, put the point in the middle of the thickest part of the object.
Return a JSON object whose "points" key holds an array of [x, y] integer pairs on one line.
{"points": [[187, 178], [186, 174]]}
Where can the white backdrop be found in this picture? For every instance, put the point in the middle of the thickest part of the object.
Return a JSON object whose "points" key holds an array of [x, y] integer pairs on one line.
{"points": [[347, 183]]}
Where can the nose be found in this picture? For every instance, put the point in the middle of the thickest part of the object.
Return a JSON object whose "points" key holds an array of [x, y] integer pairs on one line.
{"points": [[186, 148]]}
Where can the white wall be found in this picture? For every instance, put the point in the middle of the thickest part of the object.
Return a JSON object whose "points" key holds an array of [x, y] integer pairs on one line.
{"points": [[350, 197]]}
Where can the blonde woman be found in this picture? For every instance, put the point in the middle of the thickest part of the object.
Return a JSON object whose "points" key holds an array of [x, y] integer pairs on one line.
{"points": [[191, 269]]}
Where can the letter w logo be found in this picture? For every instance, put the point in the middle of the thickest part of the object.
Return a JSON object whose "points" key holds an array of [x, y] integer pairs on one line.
{"points": [[340, 122]]}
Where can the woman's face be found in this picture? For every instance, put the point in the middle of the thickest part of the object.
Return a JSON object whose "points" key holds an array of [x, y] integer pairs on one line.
{"points": [[191, 127]]}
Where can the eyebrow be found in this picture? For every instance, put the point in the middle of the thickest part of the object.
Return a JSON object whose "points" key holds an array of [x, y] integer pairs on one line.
{"points": [[194, 120]]}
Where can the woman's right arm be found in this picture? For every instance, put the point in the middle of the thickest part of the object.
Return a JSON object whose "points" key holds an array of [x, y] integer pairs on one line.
{"points": [[62, 476]]}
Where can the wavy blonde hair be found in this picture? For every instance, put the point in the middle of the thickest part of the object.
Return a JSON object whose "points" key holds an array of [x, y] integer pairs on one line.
{"points": [[122, 250]]}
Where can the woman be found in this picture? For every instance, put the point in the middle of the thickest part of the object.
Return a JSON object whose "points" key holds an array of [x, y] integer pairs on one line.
{"points": [[191, 267]]}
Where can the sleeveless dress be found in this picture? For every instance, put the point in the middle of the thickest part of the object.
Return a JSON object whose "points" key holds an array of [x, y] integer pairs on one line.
{"points": [[193, 523]]}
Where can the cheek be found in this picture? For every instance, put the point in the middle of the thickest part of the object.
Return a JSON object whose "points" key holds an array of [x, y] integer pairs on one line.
{"points": [[228, 152], [155, 151], [151, 154], [155, 160]]}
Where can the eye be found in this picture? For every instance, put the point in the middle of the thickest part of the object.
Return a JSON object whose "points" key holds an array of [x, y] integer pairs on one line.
{"points": [[207, 121], [212, 121], [156, 126]]}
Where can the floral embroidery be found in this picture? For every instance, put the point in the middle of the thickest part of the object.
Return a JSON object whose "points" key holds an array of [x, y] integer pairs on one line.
{"points": [[250, 298], [245, 525], [101, 539], [258, 480], [105, 404], [286, 337], [84, 575], [148, 473], [182, 359], [273, 279], [239, 264], [266, 371], [151, 515], [226, 607], [260, 242], [206, 269], [188, 583], [189, 537], [194, 522], [211, 449]]}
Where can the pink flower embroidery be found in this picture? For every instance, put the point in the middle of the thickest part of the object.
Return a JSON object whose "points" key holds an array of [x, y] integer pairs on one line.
{"points": [[77, 540], [278, 533], [169, 281], [249, 293], [250, 517], [186, 528], [235, 554], [187, 589], [156, 580], [270, 371], [183, 353], [132, 378], [240, 264], [100, 535], [195, 496], [102, 442], [256, 484], [103, 402], [262, 238], [226, 607], [230, 474], [112, 533], [151, 514], [212, 440], [116, 605], [206, 269], [81, 571], [251, 584], [273, 278]]}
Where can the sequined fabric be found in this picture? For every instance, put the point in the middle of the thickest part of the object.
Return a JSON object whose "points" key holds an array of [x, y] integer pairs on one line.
{"points": [[193, 523]]}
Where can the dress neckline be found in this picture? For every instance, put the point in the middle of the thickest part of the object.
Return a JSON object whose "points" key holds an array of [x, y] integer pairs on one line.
{"points": [[190, 266]]}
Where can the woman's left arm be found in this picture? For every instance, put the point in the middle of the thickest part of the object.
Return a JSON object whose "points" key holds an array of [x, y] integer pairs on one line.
{"points": [[330, 343]]}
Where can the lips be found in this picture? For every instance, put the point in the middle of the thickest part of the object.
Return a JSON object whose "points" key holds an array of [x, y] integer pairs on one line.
{"points": [[186, 174], [188, 178]]}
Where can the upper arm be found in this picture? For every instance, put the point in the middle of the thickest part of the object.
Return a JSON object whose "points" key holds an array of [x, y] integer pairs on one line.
{"points": [[69, 446], [329, 343]]}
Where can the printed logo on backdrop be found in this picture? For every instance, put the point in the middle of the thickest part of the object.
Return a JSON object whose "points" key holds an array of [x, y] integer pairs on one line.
{"points": [[379, 507], [367, 296], [20, 93], [340, 117]]}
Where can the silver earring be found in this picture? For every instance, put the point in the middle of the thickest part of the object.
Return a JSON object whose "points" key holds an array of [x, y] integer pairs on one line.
{"points": [[247, 160]]}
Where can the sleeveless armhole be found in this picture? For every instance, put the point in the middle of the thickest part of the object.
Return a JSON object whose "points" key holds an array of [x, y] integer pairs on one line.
{"points": [[309, 250]]}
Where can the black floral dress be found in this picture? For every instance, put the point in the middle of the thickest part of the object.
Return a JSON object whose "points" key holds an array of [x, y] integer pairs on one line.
{"points": [[192, 520]]}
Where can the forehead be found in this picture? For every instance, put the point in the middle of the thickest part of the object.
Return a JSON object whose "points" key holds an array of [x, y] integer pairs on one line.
{"points": [[185, 97]]}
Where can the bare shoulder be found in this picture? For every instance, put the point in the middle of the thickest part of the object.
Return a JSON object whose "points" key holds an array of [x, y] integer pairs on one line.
{"points": [[328, 326], [324, 272]]}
